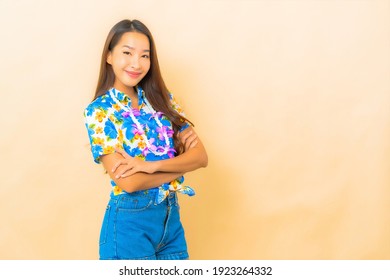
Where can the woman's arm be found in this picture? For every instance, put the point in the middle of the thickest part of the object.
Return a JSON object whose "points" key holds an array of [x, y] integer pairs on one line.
{"points": [[138, 181], [194, 157]]}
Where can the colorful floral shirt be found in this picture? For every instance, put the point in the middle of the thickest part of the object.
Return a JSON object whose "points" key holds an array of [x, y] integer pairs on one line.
{"points": [[110, 126]]}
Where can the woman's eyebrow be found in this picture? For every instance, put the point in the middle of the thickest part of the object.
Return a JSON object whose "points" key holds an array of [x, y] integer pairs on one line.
{"points": [[132, 48]]}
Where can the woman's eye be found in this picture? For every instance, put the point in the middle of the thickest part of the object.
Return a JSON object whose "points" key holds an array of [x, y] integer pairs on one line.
{"points": [[145, 56], [127, 53]]}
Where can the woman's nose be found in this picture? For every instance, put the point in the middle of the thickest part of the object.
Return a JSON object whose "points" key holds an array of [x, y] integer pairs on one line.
{"points": [[134, 62]]}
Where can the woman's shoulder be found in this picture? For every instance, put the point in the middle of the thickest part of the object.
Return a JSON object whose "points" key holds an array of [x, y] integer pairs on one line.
{"points": [[99, 104]]}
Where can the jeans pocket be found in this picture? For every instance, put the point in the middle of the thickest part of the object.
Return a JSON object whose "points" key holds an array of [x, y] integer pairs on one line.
{"points": [[104, 230], [134, 203]]}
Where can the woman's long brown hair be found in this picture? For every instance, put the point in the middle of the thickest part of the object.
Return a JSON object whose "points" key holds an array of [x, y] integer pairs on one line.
{"points": [[152, 84]]}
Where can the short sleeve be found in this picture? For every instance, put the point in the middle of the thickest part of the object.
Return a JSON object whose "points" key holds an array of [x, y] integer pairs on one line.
{"points": [[104, 137], [178, 109]]}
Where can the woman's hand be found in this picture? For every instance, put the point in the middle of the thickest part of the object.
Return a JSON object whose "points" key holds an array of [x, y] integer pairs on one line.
{"points": [[130, 165], [188, 138]]}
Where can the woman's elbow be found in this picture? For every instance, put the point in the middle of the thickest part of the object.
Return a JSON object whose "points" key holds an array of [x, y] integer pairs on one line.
{"points": [[128, 186]]}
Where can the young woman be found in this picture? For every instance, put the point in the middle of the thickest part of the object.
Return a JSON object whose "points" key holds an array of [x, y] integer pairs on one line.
{"points": [[146, 144]]}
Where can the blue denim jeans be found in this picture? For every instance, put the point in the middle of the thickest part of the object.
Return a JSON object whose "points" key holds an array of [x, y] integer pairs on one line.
{"points": [[135, 227]]}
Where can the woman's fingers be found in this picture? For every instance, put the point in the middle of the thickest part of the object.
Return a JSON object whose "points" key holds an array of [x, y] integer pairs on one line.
{"points": [[184, 136], [128, 173], [125, 161], [186, 145], [193, 144], [130, 165], [119, 163], [189, 139], [125, 171]]}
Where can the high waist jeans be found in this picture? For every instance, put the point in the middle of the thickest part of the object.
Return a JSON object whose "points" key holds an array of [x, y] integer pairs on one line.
{"points": [[136, 227]]}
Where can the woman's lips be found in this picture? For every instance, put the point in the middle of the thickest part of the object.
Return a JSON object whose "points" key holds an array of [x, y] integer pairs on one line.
{"points": [[133, 74]]}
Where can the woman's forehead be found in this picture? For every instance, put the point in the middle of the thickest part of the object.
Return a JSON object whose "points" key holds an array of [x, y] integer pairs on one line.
{"points": [[135, 40]]}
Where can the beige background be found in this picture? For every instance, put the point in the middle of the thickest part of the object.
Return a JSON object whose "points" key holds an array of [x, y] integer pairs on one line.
{"points": [[291, 99]]}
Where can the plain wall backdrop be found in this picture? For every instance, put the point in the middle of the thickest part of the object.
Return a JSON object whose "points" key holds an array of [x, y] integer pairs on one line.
{"points": [[291, 99]]}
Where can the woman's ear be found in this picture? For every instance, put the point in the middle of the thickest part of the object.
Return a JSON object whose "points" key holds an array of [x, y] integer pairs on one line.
{"points": [[109, 58]]}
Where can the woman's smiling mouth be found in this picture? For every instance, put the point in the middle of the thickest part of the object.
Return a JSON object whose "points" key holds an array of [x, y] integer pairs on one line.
{"points": [[133, 74]]}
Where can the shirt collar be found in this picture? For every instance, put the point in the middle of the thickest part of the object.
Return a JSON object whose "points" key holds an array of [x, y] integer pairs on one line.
{"points": [[123, 98]]}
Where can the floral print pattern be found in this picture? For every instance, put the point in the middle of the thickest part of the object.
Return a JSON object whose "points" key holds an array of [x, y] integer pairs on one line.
{"points": [[109, 126]]}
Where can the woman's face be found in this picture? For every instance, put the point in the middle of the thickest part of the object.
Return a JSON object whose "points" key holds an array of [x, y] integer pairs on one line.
{"points": [[130, 60]]}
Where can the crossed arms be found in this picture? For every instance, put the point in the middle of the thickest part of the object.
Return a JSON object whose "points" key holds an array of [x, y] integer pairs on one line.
{"points": [[134, 174]]}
